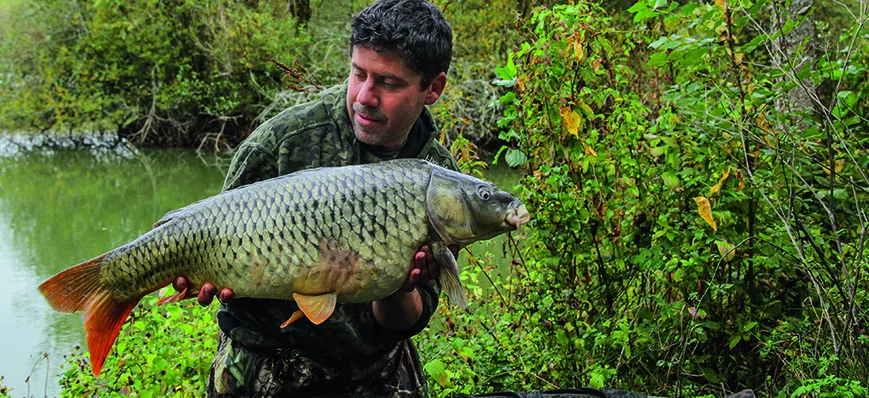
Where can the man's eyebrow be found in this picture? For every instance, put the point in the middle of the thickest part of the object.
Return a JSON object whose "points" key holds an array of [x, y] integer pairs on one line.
{"points": [[381, 75]]}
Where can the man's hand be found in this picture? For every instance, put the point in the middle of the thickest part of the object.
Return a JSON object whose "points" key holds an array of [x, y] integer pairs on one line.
{"points": [[206, 292], [403, 309], [425, 268]]}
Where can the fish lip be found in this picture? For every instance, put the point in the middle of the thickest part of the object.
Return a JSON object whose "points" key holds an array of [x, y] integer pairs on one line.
{"points": [[517, 215]]}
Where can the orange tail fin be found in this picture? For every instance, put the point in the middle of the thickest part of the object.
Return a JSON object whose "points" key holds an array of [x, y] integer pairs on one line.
{"points": [[80, 288]]}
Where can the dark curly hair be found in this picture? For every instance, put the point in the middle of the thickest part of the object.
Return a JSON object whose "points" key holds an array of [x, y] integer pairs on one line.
{"points": [[415, 29]]}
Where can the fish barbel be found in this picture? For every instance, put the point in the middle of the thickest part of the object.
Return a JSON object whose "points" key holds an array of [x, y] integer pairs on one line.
{"points": [[318, 236]]}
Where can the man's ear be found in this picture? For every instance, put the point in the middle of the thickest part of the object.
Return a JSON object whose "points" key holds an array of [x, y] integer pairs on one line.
{"points": [[437, 88]]}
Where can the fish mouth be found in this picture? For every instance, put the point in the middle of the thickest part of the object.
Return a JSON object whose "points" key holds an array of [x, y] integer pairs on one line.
{"points": [[517, 216]]}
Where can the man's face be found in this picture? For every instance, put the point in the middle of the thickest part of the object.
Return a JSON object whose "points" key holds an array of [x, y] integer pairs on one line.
{"points": [[384, 98]]}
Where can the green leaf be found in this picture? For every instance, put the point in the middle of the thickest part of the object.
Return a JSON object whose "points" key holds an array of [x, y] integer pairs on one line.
{"points": [[847, 97], [734, 340], [688, 9], [437, 371], [507, 72], [679, 275], [658, 59], [507, 98], [515, 157]]}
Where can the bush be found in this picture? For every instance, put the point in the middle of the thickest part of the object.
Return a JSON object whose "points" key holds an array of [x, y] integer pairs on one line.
{"points": [[170, 73], [691, 230], [162, 351]]}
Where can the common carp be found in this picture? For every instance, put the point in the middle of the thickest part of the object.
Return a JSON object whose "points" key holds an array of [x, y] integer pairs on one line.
{"points": [[317, 236]]}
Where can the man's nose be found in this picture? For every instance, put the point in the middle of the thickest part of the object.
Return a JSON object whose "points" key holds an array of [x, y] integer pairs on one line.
{"points": [[367, 95]]}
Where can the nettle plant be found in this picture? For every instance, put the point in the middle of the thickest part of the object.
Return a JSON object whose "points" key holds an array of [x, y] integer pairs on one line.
{"points": [[692, 224]]}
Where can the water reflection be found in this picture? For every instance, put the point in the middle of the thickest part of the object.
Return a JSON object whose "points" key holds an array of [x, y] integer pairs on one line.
{"points": [[59, 207]]}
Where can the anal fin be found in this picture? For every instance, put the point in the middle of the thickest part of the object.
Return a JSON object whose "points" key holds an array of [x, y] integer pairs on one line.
{"points": [[316, 308], [295, 317]]}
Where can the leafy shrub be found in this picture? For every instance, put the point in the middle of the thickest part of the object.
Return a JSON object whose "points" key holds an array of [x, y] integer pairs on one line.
{"points": [[162, 351], [178, 72], [685, 218]]}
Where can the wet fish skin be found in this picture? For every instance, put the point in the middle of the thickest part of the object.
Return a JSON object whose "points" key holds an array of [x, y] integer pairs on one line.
{"points": [[317, 236], [258, 238]]}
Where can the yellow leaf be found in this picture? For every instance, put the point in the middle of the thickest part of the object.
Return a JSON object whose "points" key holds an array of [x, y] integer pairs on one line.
{"points": [[705, 210], [721, 3], [571, 120], [578, 50], [721, 180], [839, 165], [589, 151], [762, 122], [595, 65]]}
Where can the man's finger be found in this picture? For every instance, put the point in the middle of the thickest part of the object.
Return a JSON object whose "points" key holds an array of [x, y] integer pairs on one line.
{"points": [[419, 260], [226, 295], [179, 284], [412, 280], [206, 295]]}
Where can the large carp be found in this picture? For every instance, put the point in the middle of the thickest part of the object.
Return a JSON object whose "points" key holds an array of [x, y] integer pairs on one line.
{"points": [[319, 236]]}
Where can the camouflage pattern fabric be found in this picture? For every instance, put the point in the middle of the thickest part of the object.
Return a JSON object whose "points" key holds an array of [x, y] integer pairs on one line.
{"points": [[349, 354]]}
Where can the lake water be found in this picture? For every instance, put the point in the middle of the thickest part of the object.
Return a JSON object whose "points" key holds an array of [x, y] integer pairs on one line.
{"points": [[62, 206]]}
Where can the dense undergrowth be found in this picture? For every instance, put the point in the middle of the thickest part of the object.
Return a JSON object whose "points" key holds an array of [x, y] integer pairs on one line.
{"points": [[205, 74], [697, 230]]}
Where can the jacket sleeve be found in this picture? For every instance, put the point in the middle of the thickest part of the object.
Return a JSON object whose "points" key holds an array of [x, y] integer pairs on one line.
{"points": [[428, 294]]}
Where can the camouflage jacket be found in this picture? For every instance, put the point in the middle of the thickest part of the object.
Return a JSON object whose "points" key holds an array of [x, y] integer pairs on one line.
{"points": [[349, 354]]}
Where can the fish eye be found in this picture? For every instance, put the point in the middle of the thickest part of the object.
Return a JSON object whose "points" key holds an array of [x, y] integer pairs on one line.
{"points": [[484, 193]]}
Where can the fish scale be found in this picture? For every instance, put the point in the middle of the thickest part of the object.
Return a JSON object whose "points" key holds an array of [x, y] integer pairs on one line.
{"points": [[320, 236]]}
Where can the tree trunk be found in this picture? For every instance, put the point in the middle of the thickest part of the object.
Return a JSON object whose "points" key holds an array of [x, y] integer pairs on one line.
{"points": [[301, 9]]}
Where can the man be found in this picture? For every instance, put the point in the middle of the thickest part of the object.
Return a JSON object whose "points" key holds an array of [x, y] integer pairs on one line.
{"points": [[400, 54]]}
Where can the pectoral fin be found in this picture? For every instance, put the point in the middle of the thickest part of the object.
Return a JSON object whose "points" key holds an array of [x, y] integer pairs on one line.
{"points": [[316, 308], [450, 281], [178, 296]]}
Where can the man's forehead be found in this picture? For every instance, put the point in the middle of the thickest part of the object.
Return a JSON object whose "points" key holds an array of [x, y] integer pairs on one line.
{"points": [[385, 63]]}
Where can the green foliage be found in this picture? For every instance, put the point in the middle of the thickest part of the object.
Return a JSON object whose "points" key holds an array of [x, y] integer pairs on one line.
{"points": [[162, 351], [158, 71], [481, 31], [625, 127]]}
